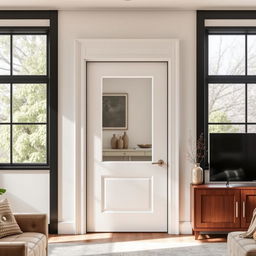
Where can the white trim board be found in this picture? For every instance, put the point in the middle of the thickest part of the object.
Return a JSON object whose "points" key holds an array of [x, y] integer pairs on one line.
{"points": [[24, 23], [185, 228], [127, 50], [66, 227]]}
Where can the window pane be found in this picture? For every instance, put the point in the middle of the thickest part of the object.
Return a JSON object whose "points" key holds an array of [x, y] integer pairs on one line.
{"points": [[5, 55], [251, 128], [226, 103], [29, 54], [251, 54], [226, 54], [29, 103], [231, 128], [4, 103], [4, 144], [29, 144], [251, 102]]}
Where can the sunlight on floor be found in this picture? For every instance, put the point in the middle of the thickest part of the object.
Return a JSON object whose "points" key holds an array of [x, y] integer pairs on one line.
{"points": [[149, 247], [108, 243]]}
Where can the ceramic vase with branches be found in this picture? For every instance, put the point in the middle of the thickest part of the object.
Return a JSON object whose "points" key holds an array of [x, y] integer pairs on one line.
{"points": [[196, 155]]}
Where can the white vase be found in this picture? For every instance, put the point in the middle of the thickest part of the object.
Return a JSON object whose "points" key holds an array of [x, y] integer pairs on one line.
{"points": [[197, 175]]}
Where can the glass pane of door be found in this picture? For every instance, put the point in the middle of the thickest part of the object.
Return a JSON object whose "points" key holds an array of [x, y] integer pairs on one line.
{"points": [[127, 119]]}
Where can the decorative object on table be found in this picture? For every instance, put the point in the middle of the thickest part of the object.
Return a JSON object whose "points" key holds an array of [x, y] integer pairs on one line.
{"points": [[120, 143], [114, 109], [197, 174], [144, 145], [196, 156], [113, 142], [125, 140], [2, 191]]}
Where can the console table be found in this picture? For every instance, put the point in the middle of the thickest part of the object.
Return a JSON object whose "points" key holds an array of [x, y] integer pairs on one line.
{"points": [[127, 153], [221, 208]]}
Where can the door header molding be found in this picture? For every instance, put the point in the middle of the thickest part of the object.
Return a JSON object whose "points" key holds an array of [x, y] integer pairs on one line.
{"points": [[123, 50]]}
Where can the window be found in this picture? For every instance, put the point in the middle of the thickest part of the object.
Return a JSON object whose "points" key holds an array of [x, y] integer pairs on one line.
{"points": [[29, 96], [226, 75], [23, 99], [231, 87]]}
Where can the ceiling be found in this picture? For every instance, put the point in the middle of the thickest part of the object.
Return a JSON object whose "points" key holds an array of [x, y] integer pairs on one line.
{"points": [[128, 4]]}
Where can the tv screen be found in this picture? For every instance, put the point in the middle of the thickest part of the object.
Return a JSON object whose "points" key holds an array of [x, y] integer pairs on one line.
{"points": [[232, 157]]}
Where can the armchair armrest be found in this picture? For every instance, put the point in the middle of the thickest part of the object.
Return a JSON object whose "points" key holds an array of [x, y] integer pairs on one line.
{"points": [[13, 249], [33, 223]]}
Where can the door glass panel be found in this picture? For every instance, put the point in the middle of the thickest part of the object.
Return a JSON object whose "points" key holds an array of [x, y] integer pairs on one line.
{"points": [[127, 119]]}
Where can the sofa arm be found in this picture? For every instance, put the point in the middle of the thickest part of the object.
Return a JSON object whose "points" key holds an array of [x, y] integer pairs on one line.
{"points": [[13, 249], [33, 223]]}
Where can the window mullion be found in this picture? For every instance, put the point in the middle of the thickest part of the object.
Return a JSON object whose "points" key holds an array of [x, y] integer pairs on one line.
{"points": [[11, 127], [246, 105], [11, 55], [11, 100]]}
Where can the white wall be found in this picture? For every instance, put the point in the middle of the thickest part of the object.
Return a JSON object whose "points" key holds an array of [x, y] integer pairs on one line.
{"points": [[27, 191], [122, 24], [139, 92]]}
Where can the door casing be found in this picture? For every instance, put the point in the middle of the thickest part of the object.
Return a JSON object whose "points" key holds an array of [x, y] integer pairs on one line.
{"points": [[109, 50]]}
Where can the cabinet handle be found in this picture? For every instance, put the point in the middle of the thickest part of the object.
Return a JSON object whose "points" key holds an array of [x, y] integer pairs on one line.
{"points": [[236, 209], [243, 209]]}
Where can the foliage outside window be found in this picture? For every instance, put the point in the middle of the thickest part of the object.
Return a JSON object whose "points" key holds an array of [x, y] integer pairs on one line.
{"points": [[23, 99]]}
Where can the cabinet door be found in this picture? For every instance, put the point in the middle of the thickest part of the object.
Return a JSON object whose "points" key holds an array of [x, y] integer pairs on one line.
{"points": [[217, 208], [248, 202]]}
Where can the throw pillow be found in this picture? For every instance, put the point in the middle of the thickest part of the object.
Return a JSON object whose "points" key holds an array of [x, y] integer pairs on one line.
{"points": [[8, 224]]}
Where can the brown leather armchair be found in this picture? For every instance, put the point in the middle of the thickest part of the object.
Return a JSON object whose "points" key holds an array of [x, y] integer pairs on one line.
{"points": [[33, 240]]}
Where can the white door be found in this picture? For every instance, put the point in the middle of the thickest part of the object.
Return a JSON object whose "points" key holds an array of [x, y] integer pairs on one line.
{"points": [[126, 189]]}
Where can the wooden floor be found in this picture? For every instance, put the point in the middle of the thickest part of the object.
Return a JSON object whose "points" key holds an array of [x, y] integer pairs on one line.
{"points": [[121, 237]]}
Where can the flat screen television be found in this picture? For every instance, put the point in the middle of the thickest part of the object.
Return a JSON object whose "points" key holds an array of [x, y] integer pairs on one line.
{"points": [[232, 157]]}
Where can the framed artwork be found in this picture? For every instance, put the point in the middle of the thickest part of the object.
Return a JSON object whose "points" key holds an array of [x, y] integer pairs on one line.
{"points": [[114, 111]]}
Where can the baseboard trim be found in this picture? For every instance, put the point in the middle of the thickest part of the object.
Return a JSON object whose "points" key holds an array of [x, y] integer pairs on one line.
{"points": [[66, 228], [185, 228]]}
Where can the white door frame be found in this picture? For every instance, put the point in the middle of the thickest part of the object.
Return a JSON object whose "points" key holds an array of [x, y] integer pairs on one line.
{"points": [[166, 50]]}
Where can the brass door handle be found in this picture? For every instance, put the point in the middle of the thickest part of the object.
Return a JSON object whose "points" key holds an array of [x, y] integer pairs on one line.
{"points": [[159, 162]]}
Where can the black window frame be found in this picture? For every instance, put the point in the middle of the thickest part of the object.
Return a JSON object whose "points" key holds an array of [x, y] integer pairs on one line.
{"points": [[27, 79], [203, 79], [51, 79]]}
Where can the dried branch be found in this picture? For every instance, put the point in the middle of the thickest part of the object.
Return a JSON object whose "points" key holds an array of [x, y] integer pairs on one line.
{"points": [[197, 150]]}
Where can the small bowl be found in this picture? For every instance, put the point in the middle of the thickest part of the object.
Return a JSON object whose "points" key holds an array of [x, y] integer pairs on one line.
{"points": [[144, 145]]}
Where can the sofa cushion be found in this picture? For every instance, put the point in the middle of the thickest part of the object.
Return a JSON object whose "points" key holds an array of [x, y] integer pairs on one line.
{"points": [[238, 246], [8, 224], [36, 242]]}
